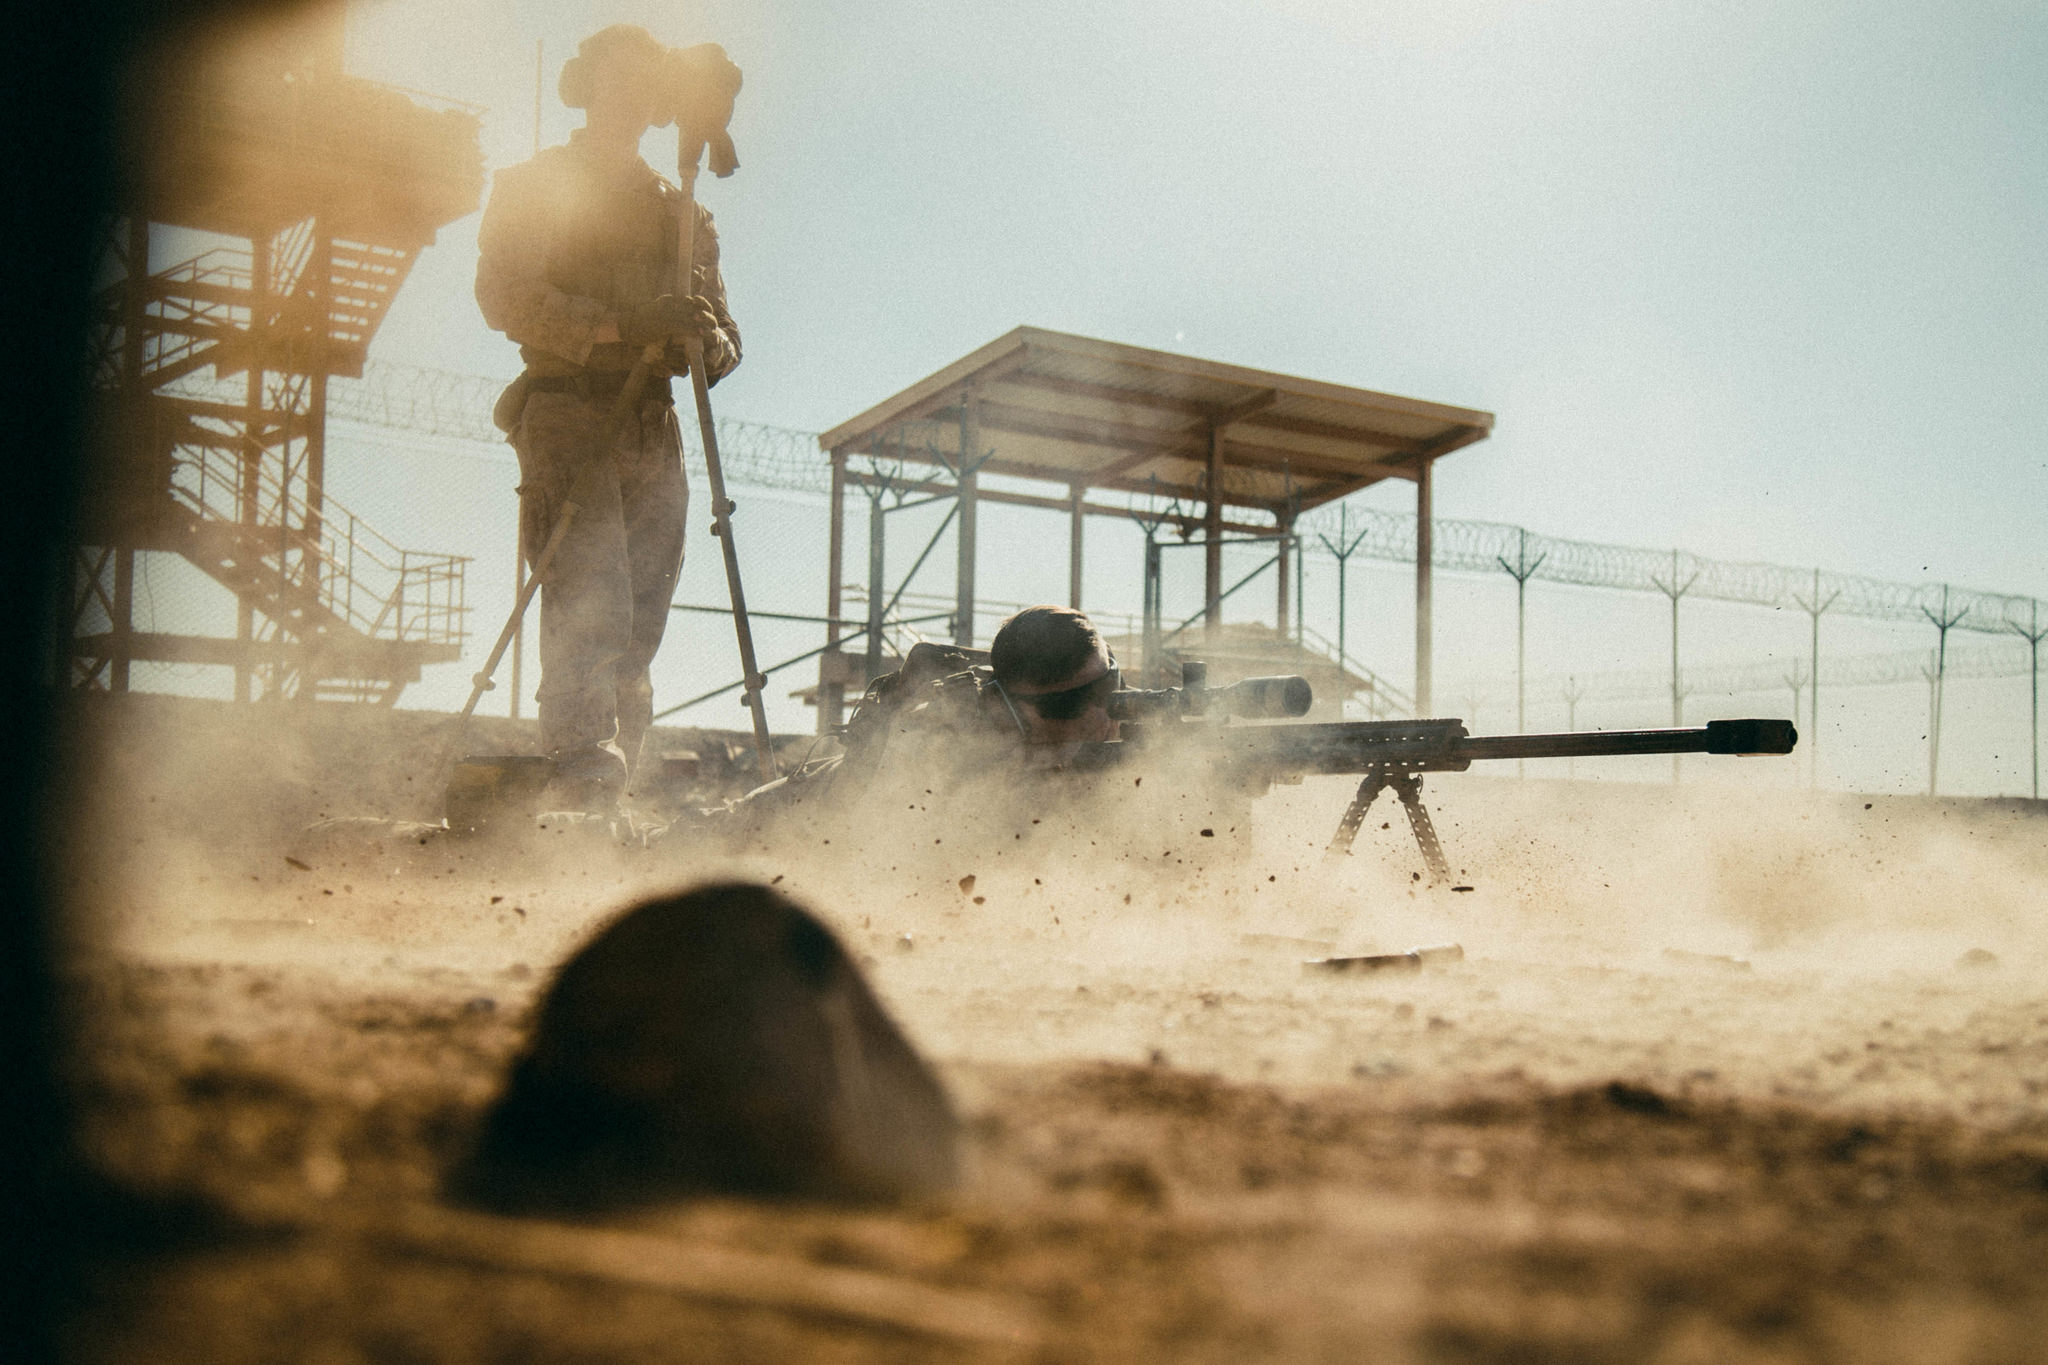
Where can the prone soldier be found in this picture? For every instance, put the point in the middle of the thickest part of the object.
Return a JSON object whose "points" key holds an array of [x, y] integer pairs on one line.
{"points": [[1038, 693], [577, 263]]}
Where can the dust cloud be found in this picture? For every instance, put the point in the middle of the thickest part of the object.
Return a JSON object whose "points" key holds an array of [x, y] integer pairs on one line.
{"points": [[1723, 1074]]}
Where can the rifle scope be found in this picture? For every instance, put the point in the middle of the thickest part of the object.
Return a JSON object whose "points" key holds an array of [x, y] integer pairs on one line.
{"points": [[1274, 698]]}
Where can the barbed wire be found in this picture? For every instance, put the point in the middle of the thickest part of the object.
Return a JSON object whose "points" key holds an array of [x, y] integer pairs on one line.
{"points": [[442, 403], [1765, 675], [1495, 547], [761, 455]]}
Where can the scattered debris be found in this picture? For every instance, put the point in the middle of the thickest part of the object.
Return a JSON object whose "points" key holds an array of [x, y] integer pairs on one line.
{"points": [[967, 885], [1720, 962], [303, 867], [1411, 961]]}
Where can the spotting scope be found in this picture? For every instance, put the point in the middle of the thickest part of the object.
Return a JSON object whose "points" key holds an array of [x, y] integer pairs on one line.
{"points": [[1279, 697]]}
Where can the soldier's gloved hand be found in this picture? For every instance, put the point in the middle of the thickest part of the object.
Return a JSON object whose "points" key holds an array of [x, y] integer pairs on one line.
{"points": [[720, 355], [698, 318], [668, 318]]}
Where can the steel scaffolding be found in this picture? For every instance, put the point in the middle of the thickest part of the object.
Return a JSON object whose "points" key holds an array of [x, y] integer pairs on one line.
{"points": [[316, 192]]}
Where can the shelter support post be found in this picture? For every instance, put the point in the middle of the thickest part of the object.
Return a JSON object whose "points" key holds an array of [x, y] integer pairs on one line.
{"points": [[1300, 598], [1425, 551], [1282, 612], [1212, 548], [877, 531], [963, 591], [832, 691], [1155, 662], [1074, 529]]}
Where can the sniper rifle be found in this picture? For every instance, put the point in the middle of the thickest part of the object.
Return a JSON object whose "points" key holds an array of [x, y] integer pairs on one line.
{"points": [[1191, 724]]}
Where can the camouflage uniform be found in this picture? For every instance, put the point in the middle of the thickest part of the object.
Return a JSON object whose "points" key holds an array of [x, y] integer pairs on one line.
{"points": [[572, 240], [930, 722]]}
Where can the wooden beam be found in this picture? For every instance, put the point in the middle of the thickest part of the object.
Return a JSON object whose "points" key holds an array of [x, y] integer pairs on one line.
{"points": [[1336, 431], [1008, 498], [1138, 444], [947, 403], [1123, 356], [1108, 393], [1277, 459], [1122, 436], [1256, 413], [927, 394], [1238, 412]]}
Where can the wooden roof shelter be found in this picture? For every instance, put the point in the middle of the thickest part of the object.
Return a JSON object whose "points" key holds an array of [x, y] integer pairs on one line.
{"points": [[1071, 409], [1102, 416]]}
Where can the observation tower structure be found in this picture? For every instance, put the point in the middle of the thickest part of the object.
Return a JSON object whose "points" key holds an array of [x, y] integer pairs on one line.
{"points": [[272, 208]]}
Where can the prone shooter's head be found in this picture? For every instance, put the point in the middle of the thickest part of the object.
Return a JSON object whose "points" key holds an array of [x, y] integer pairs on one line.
{"points": [[1055, 674]]}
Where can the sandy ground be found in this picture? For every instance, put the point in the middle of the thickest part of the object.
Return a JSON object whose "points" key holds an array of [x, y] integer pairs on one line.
{"points": [[1725, 1075]]}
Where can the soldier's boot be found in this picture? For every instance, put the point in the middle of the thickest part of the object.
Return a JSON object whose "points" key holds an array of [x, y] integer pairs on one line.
{"points": [[590, 779]]}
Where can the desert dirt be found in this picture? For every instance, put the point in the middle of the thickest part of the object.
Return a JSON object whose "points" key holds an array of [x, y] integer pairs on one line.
{"points": [[1725, 1074]]}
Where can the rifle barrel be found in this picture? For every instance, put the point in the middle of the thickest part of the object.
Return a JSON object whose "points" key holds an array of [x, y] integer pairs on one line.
{"points": [[1715, 737], [1416, 745]]}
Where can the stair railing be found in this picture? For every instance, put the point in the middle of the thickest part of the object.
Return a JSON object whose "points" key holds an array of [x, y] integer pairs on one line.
{"points": [[355, 576]]}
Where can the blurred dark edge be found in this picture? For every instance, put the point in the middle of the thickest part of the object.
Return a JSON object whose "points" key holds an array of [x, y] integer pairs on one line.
{"points": [[58, 76]]}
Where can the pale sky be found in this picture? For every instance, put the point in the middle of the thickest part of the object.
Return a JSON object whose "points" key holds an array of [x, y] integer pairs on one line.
{"points": [[1768, 281], [1763, 281]]}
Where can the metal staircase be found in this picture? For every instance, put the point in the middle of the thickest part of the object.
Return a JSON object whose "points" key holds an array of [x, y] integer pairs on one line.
{"points": [[318, 191]]}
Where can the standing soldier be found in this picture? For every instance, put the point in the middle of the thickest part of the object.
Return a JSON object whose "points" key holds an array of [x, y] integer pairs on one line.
{"points": [[578, 253]]}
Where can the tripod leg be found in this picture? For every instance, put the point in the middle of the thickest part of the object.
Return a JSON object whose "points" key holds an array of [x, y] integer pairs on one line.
{"points": [[1354, 815], [689, 148], [1408, 786], [721, 527]]}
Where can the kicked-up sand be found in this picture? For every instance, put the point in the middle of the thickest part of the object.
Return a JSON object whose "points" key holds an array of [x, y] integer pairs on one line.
{"points": [[1723, 1075]]}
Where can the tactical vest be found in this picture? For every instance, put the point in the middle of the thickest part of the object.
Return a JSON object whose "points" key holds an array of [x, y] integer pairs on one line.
{"points": [[615, 232]]}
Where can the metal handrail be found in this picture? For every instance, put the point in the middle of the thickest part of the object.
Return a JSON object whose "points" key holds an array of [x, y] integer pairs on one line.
{"points": [[425, 600]]}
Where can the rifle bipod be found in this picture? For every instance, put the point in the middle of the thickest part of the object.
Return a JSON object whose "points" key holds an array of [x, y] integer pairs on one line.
{"points": [[1407, 785]]}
